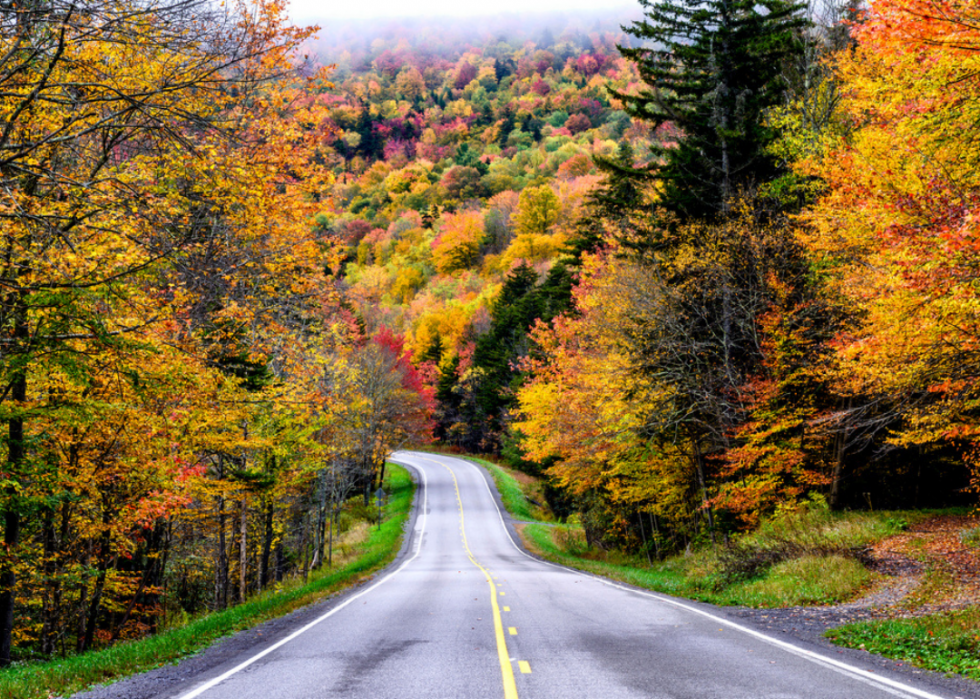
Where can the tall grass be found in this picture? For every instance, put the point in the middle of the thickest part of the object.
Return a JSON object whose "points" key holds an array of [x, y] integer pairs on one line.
{"points": [[805, 556], [74, 674], [811, 529]]}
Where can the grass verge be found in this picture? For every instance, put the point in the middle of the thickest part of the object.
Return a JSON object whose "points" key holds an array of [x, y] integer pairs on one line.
{"points": [[519, 492], [74, 674], [804, 557], [947, 642]]}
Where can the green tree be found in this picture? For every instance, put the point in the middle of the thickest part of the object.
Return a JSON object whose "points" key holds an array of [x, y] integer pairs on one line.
{"points": [[712, 69], [537, 210], [612, 207], [475, 404]]}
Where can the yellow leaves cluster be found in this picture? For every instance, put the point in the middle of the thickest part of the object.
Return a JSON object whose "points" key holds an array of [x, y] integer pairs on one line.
{"points": [[583, 404], [458, 242]]}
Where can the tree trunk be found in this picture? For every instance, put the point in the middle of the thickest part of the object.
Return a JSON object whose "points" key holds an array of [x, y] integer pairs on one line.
{"points": [[103, 567], [11, 536], [306, 548], [49, 612], [280, 562], [267, 537], [646, 548], [16, 454], [221, 555], [243, 553], [82, 604], [840, 449], [702, 483], [656, 534]]}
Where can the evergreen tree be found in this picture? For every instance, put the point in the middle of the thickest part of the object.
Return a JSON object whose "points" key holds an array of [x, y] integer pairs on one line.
{"points": [[473, 408], [611, 207], [470, 157], [712, 68], [507, 126]]}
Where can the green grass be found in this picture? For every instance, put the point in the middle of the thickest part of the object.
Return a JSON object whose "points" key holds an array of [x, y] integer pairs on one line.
{"points": [[805, 580], [802, 557], [514, 497], [948, 642], [74, 674]]}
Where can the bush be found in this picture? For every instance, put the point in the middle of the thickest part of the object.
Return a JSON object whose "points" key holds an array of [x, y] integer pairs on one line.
{"points": [[571, 540]]}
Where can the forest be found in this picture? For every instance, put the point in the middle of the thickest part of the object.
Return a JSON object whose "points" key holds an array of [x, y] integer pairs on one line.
{"points": [[695, 266], [690, 289]]}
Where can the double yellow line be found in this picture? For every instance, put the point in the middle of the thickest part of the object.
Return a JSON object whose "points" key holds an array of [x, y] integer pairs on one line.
{"points": [[506, 669]]}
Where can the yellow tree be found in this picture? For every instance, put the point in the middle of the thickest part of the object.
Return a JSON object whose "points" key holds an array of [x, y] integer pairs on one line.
{"points": [[114, 121], [458, 242], [583, 409]]}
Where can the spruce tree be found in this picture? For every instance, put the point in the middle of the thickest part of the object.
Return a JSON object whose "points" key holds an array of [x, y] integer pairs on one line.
{"points": [[712, 68], [611, 208]]}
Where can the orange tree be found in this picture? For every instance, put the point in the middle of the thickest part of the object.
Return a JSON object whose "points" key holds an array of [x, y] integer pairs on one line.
{"points": [[897, 224]]}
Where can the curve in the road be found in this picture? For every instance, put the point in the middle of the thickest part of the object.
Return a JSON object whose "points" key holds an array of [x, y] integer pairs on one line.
{"points": [[901, 688], [506, 669], [420, 630]]}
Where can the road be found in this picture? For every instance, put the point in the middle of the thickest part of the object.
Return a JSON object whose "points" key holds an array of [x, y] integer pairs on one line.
{"points": [[468, 615]]}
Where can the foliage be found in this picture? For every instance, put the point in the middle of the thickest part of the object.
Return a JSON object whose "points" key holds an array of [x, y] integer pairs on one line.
{"points": [[167, 318], [806, 578], [946, 642], [68, 676], [633, 305]]}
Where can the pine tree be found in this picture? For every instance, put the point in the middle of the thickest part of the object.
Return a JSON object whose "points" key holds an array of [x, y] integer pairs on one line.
{"points": [[712, 68], [611, 207], [477, 406]]}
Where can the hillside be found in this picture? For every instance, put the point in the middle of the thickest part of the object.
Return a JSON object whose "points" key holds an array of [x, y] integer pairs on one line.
{"points": [[595, 292]]}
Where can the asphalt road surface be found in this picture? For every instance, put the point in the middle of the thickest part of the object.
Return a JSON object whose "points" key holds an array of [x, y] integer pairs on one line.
{"points": [[467, 614]]}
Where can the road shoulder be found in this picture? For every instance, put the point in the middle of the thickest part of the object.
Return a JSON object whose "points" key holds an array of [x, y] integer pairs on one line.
{"points": [[804, 631], [174, 679]]}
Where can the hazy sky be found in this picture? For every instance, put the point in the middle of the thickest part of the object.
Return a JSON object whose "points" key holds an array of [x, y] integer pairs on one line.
{"points": [[327, 9]]}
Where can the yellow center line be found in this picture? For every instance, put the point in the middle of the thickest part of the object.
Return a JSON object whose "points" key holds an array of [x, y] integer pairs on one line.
{"points": [[525, 667], [506, 669]]}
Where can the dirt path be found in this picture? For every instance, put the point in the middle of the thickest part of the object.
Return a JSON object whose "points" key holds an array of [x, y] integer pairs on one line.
{"points": [[926, 569]]}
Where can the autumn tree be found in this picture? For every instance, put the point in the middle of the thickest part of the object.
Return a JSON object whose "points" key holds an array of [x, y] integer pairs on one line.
{"points": [[537, 210], [580, 411], [458, 243], [480, 392], [614, 209], [102, 186], [897, 227]]}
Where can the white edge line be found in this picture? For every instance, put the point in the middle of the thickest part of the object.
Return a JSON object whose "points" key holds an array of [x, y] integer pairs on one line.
{"points": [[884, 683], [238, 668]]}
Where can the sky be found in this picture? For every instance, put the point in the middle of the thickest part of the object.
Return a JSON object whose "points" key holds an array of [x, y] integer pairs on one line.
{"points": [[362, 9]]}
